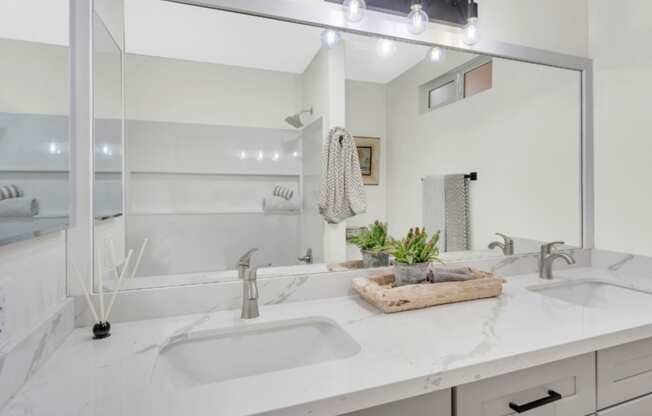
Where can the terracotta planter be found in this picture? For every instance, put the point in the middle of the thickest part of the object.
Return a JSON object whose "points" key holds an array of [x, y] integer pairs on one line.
{"points": [[371, 259], [410, 274]]}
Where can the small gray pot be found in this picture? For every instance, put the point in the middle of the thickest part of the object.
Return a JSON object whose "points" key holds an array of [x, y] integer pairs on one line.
{"points": [[371, 259], [410, 274]]}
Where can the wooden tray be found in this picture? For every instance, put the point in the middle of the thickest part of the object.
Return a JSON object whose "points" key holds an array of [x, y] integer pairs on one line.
{"points": [[380, 291]]}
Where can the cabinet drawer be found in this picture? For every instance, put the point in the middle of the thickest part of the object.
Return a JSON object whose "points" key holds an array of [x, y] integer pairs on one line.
{"points": [[624, 372], [573, 379], [438, 403], [638, 407]]}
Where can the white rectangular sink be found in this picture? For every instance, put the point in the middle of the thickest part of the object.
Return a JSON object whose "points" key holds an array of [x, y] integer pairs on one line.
{"points": [[213, 356], [595, 293]]}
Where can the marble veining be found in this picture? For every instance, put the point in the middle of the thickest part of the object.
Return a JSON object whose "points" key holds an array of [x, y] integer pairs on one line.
{"points": [[402, 355], [21, 361]]}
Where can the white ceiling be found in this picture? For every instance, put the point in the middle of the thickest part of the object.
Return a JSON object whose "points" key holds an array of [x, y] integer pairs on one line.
{"points": [[160, 28], [171, 30]]}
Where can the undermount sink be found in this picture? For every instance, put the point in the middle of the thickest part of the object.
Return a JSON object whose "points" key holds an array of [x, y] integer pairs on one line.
{"points": [[595, 293], [213, 356]]}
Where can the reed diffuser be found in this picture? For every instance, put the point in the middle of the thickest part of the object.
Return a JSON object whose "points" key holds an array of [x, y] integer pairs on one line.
{"points": [[102, 327]]}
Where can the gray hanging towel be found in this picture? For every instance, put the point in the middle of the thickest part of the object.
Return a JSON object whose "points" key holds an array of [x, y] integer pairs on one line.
{"points": [[341, 192], [434, 207], [456, 200]]}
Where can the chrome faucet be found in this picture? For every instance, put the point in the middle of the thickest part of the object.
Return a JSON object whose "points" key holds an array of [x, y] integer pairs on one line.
{"points": [[547, 258], [307, 259], [249, 277], [507, 246]]}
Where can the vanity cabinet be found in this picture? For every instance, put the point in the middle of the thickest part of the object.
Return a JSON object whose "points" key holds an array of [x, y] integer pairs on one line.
{"points": [[638, 407], [624, 373], [562, 388], [438, 403]]}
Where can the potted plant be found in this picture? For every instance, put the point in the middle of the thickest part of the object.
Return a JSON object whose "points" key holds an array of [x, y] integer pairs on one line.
{"points": [[413, 254], [373, 243]]}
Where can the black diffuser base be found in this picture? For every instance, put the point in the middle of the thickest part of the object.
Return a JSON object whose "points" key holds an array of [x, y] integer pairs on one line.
{"points": [[101, 330]]}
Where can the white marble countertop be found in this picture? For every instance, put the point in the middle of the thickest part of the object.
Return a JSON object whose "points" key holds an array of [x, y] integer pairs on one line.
{"points": [[402, 355]]}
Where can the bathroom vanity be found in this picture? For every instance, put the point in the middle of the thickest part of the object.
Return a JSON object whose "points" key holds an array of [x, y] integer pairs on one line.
{"points": [[577, 345]]}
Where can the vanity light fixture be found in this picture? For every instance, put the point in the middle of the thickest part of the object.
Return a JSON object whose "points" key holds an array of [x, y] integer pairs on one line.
{"points": [[260, 155], [276, 156], [385, 48], [417, 19], [242, 155], [471, 34], [354, 10], [436, 54], [459, 13], [330, 38]]}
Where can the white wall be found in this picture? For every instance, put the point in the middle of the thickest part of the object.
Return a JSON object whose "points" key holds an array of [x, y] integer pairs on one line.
{"points": [[366, 116], [522, 137], [324, 90], [556, 25], [620, 34], [160, 89]]}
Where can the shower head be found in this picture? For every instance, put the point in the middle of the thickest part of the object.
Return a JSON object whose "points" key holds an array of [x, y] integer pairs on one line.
{"points": [[295, 119]]}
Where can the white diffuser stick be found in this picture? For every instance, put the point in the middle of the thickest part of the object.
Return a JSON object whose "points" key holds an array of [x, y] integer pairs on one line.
{"points": [[87, 296], [119, 283]]}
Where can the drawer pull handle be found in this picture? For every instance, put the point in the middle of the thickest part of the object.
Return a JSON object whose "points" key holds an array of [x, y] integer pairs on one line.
{"points": [[553, 396]]}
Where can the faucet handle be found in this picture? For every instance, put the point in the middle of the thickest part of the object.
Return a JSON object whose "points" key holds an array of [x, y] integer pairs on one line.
{"points": [[547, 248], [245, 260], [505, 238]]}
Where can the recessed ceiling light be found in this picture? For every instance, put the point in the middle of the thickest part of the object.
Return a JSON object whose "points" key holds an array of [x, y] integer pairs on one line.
{"points": [[436, 54], [330, 38], [385, 48]]}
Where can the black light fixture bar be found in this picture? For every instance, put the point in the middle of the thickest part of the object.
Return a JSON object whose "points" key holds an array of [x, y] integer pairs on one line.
{"points": [[450, 12]]}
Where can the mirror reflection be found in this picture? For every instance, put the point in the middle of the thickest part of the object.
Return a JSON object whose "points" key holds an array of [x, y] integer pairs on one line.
{"points": [[231, 145], [34, 125]]}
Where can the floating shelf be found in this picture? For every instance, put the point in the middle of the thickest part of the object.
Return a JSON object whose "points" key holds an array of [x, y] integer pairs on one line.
{"points": [[204, 173]]}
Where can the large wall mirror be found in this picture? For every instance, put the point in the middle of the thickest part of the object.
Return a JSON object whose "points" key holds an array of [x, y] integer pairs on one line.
{"points": [[225, 119], [34, 119]]}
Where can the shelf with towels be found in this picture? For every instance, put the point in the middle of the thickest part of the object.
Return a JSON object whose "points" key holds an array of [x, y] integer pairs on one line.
{"points": [[209, 212], [213, 173]]}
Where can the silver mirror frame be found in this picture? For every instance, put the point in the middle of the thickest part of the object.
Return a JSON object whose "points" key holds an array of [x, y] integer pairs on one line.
{"points": [[322, 15]]}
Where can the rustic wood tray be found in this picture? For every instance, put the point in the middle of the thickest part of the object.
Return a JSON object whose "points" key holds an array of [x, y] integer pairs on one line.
{"points": [[380, 291]]}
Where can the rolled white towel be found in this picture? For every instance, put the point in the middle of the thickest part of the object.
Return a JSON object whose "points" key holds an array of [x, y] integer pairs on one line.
{"points": [[275, 204], [283, 192], [10, 191], [19, 207]]}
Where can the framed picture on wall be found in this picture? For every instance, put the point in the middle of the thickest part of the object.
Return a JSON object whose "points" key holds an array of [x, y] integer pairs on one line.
{"points": [[369, 155]]}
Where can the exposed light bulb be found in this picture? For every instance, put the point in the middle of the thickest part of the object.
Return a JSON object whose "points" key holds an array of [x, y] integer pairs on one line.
{"points": [[260, 155], [242, 155], [276, 156], [53, 148], [418, 19], [354, 10], [295, 154], [330, 38], [385, 48], [436, 54], [471, 33]]}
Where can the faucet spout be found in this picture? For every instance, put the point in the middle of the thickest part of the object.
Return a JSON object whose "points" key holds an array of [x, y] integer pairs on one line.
{"points": [[547, 260]]}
